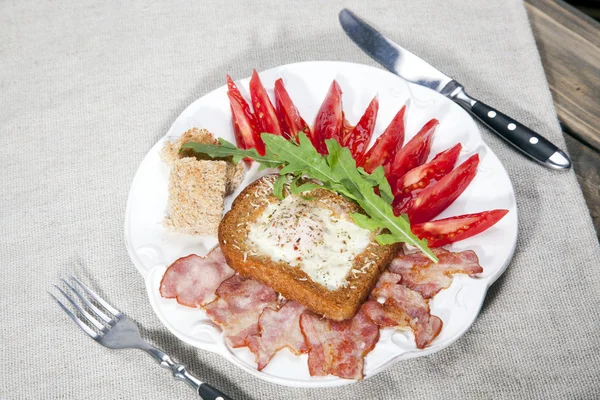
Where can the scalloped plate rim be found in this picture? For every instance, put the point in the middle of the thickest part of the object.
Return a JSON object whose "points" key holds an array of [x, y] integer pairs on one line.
{"points": [[328, 381]]}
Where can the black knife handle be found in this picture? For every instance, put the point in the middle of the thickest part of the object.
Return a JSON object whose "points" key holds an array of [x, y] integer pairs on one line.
{"points": [[526, 140], [519, 135], [208, 392]]}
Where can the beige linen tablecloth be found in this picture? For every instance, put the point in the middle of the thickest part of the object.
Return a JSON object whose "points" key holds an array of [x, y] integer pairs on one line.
{"points": [[87, 88]]}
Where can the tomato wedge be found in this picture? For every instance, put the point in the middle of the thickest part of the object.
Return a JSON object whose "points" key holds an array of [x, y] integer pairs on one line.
{"points": [[358, 139], [329, 121], [244, 124], [420, 177], [347, 130], [453, 229], [264, 112], [386, 145], [412, 155], [289, 118], [436, 198]]}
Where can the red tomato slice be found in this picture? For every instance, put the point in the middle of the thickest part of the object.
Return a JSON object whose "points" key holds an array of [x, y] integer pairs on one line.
{"points": [[420, 177], [386, 145], [347, 130], [264, 112], [437, 197], [329, 121], [453, 229], [412, 155], [359, 138], [289, 118], [244, 123]]}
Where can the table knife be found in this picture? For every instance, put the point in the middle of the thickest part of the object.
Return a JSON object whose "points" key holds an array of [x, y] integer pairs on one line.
{"points": [[413, 69]]}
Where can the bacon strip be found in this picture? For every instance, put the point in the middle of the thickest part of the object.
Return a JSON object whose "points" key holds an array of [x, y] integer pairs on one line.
{"points": [[246, 309], [193, 280], [238, 307], [338, 348], [384, 317], [278, 329], [403, 307], [428, 278]]}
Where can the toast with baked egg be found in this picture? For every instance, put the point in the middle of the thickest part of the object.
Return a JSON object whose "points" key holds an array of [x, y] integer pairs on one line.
{"points": [[306, 248]]}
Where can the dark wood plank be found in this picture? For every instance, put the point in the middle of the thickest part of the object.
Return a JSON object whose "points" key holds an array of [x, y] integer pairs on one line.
{"points": [[569, 44], [568, 17], [586, 162], [592, 12], [589, 7]]}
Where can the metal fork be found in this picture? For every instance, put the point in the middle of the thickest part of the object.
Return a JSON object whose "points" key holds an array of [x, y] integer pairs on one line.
{"points": [[119, 332]]}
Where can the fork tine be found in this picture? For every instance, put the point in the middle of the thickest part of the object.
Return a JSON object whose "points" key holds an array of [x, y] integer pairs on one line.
{"points": [[86, 315], [89, 304], [83, 326], [93, 294]]}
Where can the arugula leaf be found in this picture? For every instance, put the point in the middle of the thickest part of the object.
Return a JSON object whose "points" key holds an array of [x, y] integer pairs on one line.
{"points": [[336, 172], [227, 149], [294, 185], [344, 168], [385, 190], [305, 187], [365, 222], [386, 238], [278, 186], [377, 178], [301, 157]]}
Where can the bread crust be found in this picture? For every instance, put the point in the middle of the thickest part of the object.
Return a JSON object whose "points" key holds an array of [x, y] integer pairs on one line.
{"points": [[292, 282], [197, 185], [196, 192], [171, 152]]}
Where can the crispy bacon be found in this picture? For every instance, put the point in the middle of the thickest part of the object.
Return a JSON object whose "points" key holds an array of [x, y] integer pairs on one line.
{"points": [[193, 280], [338, 348], [247, 310], [238, 307], [403, 307], [385, 279], [383, 317], [278, 329], [421, 274]]}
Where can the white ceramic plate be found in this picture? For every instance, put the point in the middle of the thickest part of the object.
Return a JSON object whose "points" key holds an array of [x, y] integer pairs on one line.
{"points": [[152, 248]]}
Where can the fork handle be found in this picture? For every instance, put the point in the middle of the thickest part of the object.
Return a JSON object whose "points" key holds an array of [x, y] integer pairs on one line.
{"points": [[179, 371], [208, 392]]}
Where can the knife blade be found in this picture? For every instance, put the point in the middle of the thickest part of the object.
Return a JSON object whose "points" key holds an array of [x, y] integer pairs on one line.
{"points": [[416, 70]]}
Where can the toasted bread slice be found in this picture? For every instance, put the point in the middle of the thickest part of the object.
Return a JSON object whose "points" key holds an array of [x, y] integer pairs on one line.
{"points": [[196, 192], [170, 153], [242, 254]]}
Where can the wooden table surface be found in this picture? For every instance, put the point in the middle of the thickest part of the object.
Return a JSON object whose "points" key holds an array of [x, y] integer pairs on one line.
{"points": [[569, 45]]}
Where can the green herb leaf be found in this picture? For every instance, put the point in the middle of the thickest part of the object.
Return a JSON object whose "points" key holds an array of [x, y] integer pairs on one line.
{"points": [[336, 172], [385, 190], [305, 187], [299, 158], [308, 186], [365, 222], [376, 176], [226, 149], [294, 185], [278, 186], [344, 168], [386, 238]]}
